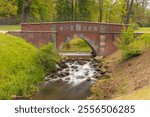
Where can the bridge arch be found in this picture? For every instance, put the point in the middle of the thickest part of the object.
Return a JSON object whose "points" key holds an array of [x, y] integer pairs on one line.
{"points": [[91, 44]]}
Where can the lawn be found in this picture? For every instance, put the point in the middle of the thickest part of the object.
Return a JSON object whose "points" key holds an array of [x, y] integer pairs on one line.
{"points": [[144, 29], [9, 27], [76, 45]]}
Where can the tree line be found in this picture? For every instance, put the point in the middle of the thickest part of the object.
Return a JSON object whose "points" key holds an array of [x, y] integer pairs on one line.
{"points": [[110, 11]]}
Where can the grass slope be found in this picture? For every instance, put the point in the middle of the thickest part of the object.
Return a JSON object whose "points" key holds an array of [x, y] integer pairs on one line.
{"points": [[130, 78], [19, 73]]}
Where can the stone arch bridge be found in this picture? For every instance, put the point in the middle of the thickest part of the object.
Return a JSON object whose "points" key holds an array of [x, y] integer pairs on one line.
{"points": [[100, 36]]}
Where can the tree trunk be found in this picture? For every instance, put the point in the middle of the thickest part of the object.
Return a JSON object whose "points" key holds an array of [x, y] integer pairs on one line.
{"points": [[100, 10], [129, 8], [25, 11], [72, 10]]}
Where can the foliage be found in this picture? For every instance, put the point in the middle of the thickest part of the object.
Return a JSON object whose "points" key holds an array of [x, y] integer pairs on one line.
{"points": [[76, 44], [114, 11], [42, 10], [64, 10], [132, 46], [20, 70], [135, 26], [127, 37], [48, 57], [8, 8]]}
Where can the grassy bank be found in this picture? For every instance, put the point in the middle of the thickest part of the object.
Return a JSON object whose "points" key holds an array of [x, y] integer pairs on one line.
{"points": [[129, 77], [76, 45], [20, 67], [9, 27]]}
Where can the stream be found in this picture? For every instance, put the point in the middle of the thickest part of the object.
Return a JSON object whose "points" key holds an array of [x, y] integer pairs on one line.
{"points": [[72, 81]]}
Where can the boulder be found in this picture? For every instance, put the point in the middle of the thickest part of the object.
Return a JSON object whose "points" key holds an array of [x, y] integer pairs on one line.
{"points": [[107, 75], [86, 73], [103, 70], [99, 58], [80, 77], [88, 79], [68, 78], [97, 69], [59, 80], [64, 66], [47, 78], [81, 62], [98, 76], [63, 74], [106, 66]]}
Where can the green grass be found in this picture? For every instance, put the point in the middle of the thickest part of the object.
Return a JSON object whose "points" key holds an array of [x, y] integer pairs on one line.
{"points": [[142, 94], [19, 71], [76, 45], [144, 30], [9, 27]]}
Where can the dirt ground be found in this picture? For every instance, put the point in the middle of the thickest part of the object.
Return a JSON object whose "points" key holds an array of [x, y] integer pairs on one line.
{"points": [[135, 71]]}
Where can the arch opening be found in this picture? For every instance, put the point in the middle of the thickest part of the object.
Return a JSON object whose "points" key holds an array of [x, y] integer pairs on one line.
{"points": [[77, 44]]}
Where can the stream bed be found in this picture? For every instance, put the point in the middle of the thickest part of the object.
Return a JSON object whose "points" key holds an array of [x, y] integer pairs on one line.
{"points": [[72, 81]]}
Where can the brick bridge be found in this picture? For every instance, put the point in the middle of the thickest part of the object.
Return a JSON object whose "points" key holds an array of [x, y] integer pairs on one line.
{"points": [[100, 36]]}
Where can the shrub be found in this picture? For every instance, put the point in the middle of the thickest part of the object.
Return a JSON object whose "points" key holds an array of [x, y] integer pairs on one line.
{"points": [[127, 38], [135, 26], [48, 57]]}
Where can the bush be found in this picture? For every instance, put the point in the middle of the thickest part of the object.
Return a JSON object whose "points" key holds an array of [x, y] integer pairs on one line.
{"points": [[135, 26], [127, 38], [48, 57]]}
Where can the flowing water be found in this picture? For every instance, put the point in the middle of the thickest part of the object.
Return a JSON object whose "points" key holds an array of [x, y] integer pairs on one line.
{"points": [[72, 81]]}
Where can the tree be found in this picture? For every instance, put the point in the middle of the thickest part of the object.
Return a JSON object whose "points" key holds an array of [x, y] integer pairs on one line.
{"points": [[8, 8], [25, 11], [139, 12], [19, 6], [101, 5], [128, 4], [42, 10], [64, 10]]}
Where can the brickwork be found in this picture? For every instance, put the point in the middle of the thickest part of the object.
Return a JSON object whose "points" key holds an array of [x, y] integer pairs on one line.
{"points": [[101, 37]]}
